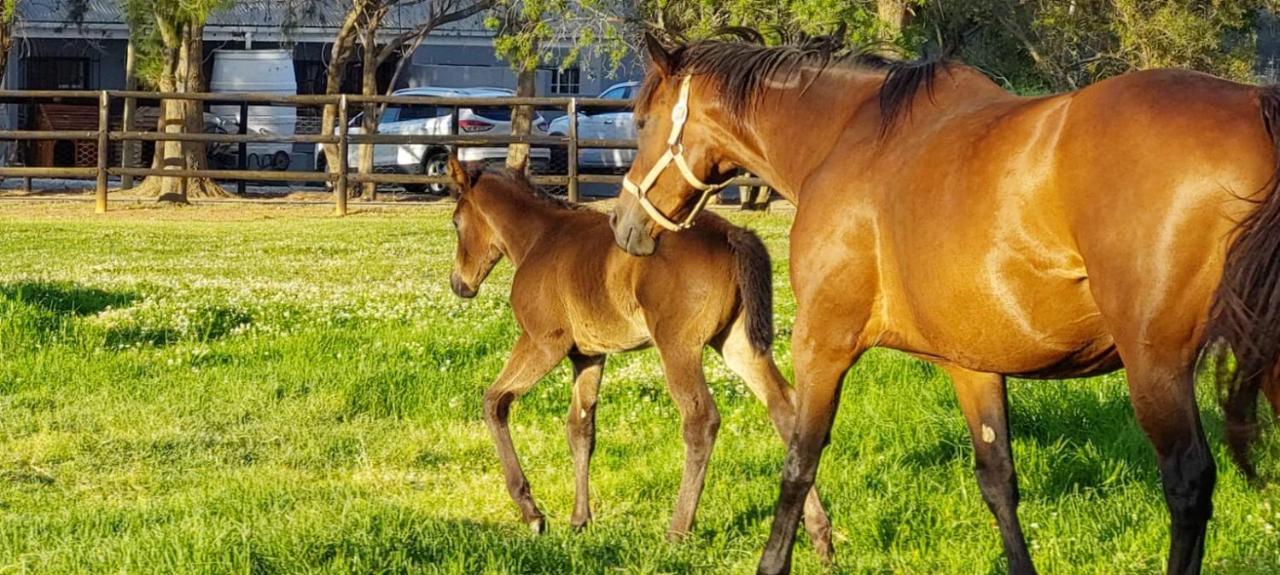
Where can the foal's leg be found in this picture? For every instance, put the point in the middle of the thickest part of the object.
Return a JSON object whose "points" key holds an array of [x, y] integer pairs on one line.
{"points": [[587, 371], [529, 361], [700, 422], [1163, 396], [769, 386], [986, 410]]}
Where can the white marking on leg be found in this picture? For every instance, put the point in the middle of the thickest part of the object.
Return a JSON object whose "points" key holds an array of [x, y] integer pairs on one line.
{"points": [[988, 434]]}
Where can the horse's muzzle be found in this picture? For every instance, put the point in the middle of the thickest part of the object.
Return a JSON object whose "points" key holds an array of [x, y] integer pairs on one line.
{"points": [[631, 229], [460, 288]]}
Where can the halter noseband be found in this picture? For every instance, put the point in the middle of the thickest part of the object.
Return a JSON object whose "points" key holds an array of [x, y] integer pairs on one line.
{"points": [[674, 154]]}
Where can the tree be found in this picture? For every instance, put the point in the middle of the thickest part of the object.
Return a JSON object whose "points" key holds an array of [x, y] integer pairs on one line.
{"points": [[169, 37], [1037, 45], [531, 33], [360, 28]]}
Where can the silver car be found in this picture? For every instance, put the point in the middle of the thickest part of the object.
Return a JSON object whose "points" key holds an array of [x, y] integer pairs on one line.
{"points": [[428, 119], [616, 124]]}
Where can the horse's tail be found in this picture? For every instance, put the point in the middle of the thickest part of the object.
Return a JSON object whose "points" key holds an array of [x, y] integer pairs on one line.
{"points": [[755, 285], [1245, 315]]}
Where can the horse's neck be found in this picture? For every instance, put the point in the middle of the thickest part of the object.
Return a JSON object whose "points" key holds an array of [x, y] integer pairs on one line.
{"points": [[796, 128], [518, 222], [796, 131]]}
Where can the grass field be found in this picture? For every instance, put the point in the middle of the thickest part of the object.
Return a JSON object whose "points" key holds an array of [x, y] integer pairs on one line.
{"points": [[259, 390]]}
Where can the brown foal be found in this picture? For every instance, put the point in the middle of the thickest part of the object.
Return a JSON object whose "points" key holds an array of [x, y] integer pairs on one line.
{"points": [[1132, 223], [575, 296]]}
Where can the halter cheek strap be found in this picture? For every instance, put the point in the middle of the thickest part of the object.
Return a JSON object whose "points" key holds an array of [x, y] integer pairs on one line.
{"points": [[673, 155]]}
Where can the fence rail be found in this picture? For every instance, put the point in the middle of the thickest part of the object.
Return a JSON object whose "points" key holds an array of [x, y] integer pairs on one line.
{"points": [[340, 177]]}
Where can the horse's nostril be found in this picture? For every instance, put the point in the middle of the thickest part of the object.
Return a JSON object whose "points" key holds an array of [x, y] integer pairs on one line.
{"points": [[613, 219]]}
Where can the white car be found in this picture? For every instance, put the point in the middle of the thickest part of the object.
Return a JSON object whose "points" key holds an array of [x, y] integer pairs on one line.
{"points": [[615, 124], [426, 119]]}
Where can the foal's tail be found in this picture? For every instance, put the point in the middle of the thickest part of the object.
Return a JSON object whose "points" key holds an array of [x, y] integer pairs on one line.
{"points": [[1245, 316], [755, 285]]}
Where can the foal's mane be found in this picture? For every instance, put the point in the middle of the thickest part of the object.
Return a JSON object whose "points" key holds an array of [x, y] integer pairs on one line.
{"points": [[742, 70], [520, 185]]}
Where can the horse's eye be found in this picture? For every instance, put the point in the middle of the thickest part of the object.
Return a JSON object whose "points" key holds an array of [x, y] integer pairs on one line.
{"points": [[640, 124]]}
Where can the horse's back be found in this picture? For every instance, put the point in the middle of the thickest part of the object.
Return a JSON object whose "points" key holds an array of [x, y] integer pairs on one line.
{"points": [[1041, 222], [611, 300]]}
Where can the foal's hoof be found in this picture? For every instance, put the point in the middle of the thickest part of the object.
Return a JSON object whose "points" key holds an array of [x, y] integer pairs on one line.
{"points": [[538, 525], [677, 536], [580, 524]]}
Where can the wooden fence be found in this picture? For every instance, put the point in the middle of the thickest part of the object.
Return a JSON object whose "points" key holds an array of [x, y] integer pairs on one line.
{"points": [[340, 178]]}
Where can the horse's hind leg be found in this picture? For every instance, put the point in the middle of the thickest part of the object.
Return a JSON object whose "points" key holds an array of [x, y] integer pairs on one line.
{"points": [[986, 411], [1163, 394], [700, 421], [761, 374], [529, 361], [587, 371]]}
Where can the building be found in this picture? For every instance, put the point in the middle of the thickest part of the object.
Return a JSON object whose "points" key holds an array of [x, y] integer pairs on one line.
{"points": [[53, 52]]}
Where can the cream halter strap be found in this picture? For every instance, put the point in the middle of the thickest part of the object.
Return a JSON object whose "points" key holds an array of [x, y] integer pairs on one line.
{"points": [[674, 154]]}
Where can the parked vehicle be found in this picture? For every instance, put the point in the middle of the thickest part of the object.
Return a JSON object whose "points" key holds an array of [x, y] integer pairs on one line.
{"points": [[613, 124], [426, 119], [269, 71]]}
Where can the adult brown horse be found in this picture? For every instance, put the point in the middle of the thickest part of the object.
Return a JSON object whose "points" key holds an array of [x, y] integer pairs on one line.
{"points": [[572, 298], [1131, 223]]}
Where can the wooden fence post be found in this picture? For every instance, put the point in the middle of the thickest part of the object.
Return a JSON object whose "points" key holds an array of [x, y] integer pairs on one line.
{"points": [[572, 152], [340, 187], [104, 129]]}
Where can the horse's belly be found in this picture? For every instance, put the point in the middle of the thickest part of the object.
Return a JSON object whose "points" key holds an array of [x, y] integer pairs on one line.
{"points": [[1035, 323]]}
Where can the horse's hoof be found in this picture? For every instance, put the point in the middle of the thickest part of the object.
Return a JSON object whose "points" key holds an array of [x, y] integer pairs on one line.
{"points": [[538, 525], [677, 536], [580, 525]]}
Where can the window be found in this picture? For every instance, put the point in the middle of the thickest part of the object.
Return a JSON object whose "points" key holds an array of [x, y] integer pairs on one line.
{"points": [[416, 112], [617, 93], [566, 81], [57, 73]]}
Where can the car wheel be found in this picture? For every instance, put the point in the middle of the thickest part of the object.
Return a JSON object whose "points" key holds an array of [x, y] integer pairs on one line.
{"points": [[436, 164]]}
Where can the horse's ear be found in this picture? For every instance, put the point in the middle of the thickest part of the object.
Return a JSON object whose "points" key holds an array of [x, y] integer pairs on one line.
{"points": [[659, 56], [462, 179]]}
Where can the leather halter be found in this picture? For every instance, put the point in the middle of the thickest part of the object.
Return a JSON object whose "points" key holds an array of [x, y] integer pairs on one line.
{"points": [[674, 154]]}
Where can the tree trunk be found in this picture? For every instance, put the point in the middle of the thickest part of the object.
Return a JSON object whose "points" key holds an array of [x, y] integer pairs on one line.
{"points": [[182, 73], [522, 119], [369, 87], [8, 149], [893, 14], [339, 58]]}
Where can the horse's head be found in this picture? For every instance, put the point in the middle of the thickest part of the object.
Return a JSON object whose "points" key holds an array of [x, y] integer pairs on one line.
{"points": [[478, 248], [679, 164]]}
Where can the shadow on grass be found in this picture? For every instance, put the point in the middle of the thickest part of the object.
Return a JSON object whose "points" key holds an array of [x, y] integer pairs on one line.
{"points": [[64, 298], [1072, 438], [402, 540]]}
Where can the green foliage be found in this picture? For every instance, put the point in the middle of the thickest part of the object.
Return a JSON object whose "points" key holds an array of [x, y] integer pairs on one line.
{"points": [[154, 26], [534, 33], [1039, 45], [779, 20]]}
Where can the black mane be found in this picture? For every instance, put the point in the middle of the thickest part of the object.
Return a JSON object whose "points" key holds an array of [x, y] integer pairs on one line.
{"points": [[743, 70]]}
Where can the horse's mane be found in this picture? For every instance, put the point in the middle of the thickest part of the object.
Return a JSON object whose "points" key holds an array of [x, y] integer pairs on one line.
{"points": [[743, 69], [521, 184]]}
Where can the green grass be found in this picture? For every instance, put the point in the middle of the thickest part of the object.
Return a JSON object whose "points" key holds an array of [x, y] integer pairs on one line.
{"points": [[257, 390]]}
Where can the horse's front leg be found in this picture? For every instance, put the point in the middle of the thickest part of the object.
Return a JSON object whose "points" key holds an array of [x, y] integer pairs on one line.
{"points": [[530, 360], [830, 335]]}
